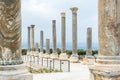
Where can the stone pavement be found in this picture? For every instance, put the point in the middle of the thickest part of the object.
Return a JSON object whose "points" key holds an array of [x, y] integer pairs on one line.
{"points": [[78, 72]]}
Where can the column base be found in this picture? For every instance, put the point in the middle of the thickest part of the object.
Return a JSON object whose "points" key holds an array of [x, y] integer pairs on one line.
{"points": [[46, 55], [63, 56], [106, 68], [41, 54], [89, 60], [74, 59], [54, 55], [14, 72]]}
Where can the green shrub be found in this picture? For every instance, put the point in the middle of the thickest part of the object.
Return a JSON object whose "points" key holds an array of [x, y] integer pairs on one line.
{"points": [[81, 52], [24, 51]]}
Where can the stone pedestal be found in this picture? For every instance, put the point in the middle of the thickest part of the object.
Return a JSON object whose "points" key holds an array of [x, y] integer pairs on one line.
{"points": [[89, 60], [41, 54], [63, 56], [54, 55], [106, 68], [14, 72], [74, 59]]}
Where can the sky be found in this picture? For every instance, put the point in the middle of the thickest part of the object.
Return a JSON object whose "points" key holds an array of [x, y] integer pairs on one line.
{"points": [[42, 12]]}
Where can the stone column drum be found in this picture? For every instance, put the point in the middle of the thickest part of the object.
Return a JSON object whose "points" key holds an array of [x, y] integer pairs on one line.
{"points": [[37, 49], [47, 47], [11, 67], [74, 56], [10, 32], [108, 60], [29, 44], [74, 30], [41, 42], [32, 37], [89, 42], [63, 36], [54, 54]]}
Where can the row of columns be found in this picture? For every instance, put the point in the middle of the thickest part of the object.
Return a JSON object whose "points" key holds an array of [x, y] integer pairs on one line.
{"points": [[63, 36]]}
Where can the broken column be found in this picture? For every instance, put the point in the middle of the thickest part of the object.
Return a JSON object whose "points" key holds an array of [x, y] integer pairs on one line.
{"points": [[47, 48], [107, 65], [89, 59]]}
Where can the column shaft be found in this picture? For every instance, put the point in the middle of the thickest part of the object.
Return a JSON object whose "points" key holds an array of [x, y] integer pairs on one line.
{"points": [[54, 35], [37, 49], [74, 31], [48, 46], [29, 45], [89, 41], [63, 33], [10, 32], [32, 37], [109, 28], [41, 41]]}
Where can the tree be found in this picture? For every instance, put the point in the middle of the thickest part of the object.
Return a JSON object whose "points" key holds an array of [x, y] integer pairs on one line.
{"points": [[58, 51], [94, 52], [81, 52], [69, 53], [24, 51]]}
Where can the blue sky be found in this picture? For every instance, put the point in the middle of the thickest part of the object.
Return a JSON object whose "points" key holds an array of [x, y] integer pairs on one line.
{"points": [[42, 12]]}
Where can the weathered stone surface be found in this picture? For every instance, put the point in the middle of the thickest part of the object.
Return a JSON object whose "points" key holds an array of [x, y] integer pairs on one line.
{"points": [[10, 32], [14, 72], [108, 60], [109, 27]]}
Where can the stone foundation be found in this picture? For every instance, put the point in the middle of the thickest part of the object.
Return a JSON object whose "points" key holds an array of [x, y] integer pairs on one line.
{"points": [[74, 59], [63, 56], [54, 55], [106, 68], [89, 60], [14, 72]]}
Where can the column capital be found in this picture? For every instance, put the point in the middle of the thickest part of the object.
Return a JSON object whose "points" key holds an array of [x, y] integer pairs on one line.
{"points": [[41, 30], [53, 21], [32, 26], [89, 28], [74, 9], [63, 14], [28, 27]]}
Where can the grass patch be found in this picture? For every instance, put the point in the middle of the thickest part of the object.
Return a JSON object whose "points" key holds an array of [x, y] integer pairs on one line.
{"points": [[43, 70]]}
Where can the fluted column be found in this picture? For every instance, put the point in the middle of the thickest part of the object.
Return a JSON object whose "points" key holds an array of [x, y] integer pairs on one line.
{"points": [[29, 45], [89, 42], [32, 37], [74, 30], [41, 41]]}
